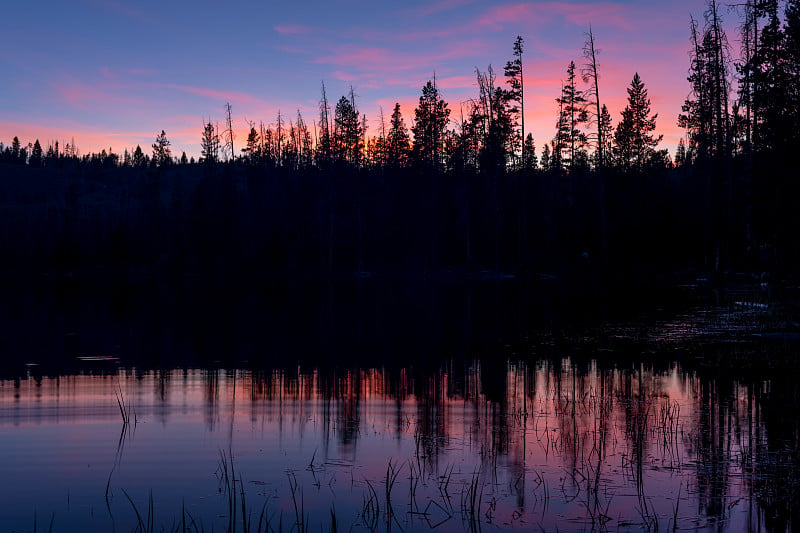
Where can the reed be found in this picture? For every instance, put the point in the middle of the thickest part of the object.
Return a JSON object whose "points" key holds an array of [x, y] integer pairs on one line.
{"points": [[471, 500], [123, 409], [147, 524], [300, 517], [36, 524]]}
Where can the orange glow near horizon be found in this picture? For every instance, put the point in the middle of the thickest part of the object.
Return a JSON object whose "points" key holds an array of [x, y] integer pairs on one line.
{"points": [[120, 106]]}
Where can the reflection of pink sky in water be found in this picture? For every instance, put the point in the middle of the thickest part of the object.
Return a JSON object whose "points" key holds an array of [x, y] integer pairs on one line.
{"points": [[564, 445]]}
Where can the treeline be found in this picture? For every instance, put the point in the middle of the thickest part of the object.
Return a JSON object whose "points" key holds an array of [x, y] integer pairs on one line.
{"points": [[456, 191]]}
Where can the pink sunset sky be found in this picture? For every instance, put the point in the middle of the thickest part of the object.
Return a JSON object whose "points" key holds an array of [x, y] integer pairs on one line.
{"points": [[112, 74]]}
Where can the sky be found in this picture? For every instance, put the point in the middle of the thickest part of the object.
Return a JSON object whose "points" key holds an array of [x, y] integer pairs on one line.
{"points": [[114, 73]]}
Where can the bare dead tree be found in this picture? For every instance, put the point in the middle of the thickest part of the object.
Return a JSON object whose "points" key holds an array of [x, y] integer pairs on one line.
{"points": [[590, 76], [229, 131]]}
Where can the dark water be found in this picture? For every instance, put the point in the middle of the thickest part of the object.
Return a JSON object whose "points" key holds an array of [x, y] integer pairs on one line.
{"points": [[479, 407]]}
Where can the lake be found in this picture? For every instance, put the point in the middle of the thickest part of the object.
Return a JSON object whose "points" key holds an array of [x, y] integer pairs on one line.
{"points": [[367, 406]]}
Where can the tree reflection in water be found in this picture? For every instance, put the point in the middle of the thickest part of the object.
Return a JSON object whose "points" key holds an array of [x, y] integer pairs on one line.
{"points": [[565, 442]]}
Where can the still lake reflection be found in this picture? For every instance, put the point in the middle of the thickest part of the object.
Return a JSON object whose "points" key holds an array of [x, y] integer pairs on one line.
{"points": [[552, 443]]}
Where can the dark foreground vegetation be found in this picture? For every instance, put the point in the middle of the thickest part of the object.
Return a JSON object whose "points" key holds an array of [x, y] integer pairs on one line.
{"points": [[465, 198]]}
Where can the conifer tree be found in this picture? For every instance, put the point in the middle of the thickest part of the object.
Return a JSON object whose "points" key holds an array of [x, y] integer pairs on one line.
{"points": [[546, 162], [680, 154], [305, 145], [430, 120], [15, 150], [348, 138], [397, 140], [531, 160], [162, 154], [209, 144], [706, 114], [634, 144], [36, 155], [792, 57], [514, 78], [606, 133], [492, 123], [251, 150], [570, 145], [139, 159]]}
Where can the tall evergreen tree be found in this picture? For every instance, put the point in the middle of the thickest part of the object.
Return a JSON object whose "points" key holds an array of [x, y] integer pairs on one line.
{"points": [[209, 144], [251, 149], [397, 140], [531, 161], [773, 80], [706, 113], [606, 133], [139, 159], [162, 154], [546, 158], [348, 138], [792, 57], [430, 120], [304, 142], [493, 122], [634, 144], [515, 79], [15, 150], [681, 158], [36, 155], [570, 139], [697, 114]]}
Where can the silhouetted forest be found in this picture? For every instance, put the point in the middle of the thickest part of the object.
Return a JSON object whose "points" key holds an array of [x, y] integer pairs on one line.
{"points": [[446, 194]]}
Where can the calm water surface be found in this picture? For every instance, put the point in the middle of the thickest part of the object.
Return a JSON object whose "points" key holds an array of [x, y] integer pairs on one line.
{"points": [[676, 423]]}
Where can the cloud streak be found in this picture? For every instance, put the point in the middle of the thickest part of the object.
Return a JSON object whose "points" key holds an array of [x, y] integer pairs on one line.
{"points": [[436, 7], [538, 14], [217, 95], [296, 29]]}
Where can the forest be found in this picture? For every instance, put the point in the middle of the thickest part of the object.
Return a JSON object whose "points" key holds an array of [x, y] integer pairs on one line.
{"points": [[439, 195]]}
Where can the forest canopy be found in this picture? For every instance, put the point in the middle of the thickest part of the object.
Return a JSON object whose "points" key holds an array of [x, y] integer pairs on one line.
{"points": [[463, 190]]}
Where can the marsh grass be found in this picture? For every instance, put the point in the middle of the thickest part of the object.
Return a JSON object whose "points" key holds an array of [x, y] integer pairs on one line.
{"points": [[597, 446], [147, 524], [126, 410], [36, 523]]}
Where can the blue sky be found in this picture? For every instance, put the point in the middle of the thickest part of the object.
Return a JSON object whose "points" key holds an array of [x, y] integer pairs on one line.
{"points": [[114, 74]]}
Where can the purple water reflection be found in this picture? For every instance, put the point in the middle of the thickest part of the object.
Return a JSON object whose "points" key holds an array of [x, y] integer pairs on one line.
{"points": [[557, 445]]}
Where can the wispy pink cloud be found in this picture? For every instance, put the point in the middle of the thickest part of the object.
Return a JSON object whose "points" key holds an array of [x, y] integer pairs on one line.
{"points": [[213, 94], [386, 61], [141, 71], [124, 9], [366, 57], [119, 95], [85, 97], [437, 7], [456, 82], [290, 49], [605, 13], [296, 29], [79, 96]]}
